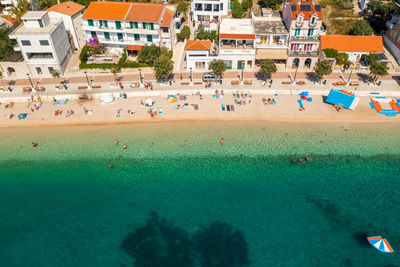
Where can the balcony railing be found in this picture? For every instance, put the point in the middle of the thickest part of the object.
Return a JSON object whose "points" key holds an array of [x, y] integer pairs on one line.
{"points": [[305, 38], [299, 23], [303, 53]]}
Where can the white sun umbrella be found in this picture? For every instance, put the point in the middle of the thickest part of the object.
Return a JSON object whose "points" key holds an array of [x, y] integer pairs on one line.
{"points": [[149, 102], [106, 98]]}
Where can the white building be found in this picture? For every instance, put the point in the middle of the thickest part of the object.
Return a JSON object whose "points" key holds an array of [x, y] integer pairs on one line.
{"points": [[237, 43], [9, 4], [198, 53], [272, 37], [131, 25], [71, 14], [43, 42], [209, 10]]}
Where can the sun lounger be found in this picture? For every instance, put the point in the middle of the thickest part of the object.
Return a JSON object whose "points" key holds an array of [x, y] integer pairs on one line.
{"points": [[232, 108], [223, 107], [228, 107]]}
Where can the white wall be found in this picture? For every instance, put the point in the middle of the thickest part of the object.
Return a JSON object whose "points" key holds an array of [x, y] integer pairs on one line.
{"points": [[73, 25], [212, 13]]}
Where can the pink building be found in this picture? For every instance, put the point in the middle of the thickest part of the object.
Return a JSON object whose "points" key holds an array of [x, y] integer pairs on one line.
{"points": [[304, 22]]}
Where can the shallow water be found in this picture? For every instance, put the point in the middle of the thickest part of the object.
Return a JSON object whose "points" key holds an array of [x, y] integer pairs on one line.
{"points": [[62, 206]]}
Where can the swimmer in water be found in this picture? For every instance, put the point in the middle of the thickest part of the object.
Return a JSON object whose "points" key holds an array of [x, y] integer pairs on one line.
{"points": [[116, 141], [34, 144], [221, 141], [124, 146], [110, 165]]}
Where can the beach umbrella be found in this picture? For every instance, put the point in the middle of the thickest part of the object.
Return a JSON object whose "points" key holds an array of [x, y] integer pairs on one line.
{"points": [[380, 244], [149, 102], [106, 98]]}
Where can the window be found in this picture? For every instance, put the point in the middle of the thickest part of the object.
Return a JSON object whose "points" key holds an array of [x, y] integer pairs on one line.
{"points": [[51, 69], [120, 36], [297, 32], [118, 24], [39, 55], [44, 42], [240, 64], [131, 25], [144, 25], [313, 20], [137, 37], [151, 26], [221, 6], [263, 39], [310, 32], [39, 70], [208, 7], [101, 23], [90, 22], [228, 64], [198, 7], [150, 38], [40, 23], [25, 42], [136, 25], [105, 23], [107, 35], [201, 65], [93, 34], [216, 7]]}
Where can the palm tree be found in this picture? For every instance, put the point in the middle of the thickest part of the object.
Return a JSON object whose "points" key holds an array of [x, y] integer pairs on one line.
{"points": [[114, 71], [56, 74]]}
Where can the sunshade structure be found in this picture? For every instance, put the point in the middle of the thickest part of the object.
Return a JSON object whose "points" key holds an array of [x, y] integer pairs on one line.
{"points": [[149, 102], [107, 98], [343, 99], [380, 244]]}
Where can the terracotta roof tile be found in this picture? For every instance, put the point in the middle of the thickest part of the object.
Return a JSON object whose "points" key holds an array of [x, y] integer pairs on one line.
{"points": [[198, 45], [107, 10], [167, 17], [146, 12], [349, 43], [68, 8]]}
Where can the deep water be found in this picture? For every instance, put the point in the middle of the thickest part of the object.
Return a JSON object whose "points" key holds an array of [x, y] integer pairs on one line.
{"points": [[59, 209]]}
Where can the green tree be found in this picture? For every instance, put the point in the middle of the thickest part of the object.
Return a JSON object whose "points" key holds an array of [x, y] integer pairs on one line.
{"points": [[274, 4], [380, 8], [114, 70], [56, 74], [368, 59], [343, 59], [323, 68], [202, 34], [217, 66], [184, 34], [331, 53], [237, 9], [163, 66], [246, 4], [149, 54], [183, 7], [268, 67], [378, 69], [19, 10], [6, 44], [361, 27]]}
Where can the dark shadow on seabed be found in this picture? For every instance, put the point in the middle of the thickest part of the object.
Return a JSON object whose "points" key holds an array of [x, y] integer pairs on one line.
{"points": [[160, 243]]}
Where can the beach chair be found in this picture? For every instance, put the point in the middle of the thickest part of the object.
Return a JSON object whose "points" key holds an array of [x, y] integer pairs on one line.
{"points": [[223, 107], [228, 107]]}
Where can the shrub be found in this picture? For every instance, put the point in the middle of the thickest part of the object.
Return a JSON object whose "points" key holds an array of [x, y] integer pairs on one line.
{"points": [[331, 53]]}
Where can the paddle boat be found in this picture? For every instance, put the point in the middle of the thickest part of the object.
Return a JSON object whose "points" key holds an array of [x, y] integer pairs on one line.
{"points": [[380, 244]]}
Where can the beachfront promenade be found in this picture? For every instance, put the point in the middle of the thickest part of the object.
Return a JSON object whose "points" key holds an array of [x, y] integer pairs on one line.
{"points": [[389, 86]]}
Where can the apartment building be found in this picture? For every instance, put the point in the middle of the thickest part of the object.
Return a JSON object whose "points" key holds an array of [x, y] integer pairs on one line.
{"points": [[9, 4], [303, 20], [237, 43], [392, 36], [43, 42], [272, 37], [205, 11], [130, 25], [198, 54], [71, 14]]}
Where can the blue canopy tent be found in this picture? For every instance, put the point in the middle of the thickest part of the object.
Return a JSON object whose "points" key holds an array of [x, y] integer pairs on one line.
{"points": [[344, 100]]}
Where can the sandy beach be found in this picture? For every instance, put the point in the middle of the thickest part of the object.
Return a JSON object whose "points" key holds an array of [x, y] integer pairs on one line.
{"points": [[130, 110]]}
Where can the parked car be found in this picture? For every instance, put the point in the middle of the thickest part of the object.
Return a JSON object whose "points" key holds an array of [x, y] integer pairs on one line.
{"points": [[210, 77]]}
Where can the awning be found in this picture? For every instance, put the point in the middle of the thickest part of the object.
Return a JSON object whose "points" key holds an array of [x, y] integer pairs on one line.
{"points": [[133, 47], [271, 54]]}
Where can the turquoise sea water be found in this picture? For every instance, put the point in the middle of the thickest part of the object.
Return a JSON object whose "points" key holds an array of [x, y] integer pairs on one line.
{"points": [[60, 205]]}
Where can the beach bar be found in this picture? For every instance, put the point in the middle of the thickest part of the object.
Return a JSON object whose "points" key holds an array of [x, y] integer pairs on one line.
{"points": [[342, 99]]}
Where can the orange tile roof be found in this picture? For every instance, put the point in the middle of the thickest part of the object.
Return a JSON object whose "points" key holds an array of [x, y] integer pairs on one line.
{"points": [[146, 12], [107, 10], [133, 47], [167, 17], [349, 43], [198, 45], [68, 8], [306, 14], [236, 36]]}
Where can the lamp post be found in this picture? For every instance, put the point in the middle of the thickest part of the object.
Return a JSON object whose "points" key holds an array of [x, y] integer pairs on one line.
{"points": [[29, 77], [241, 80], [191, 77], [295, 74], [140, 77], [348, 81], [87, 79]]}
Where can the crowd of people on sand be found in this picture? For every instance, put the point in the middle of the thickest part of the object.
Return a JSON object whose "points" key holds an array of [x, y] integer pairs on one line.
{"points": [[268, 101], [35, 101], [59, 112], [242, 98]]}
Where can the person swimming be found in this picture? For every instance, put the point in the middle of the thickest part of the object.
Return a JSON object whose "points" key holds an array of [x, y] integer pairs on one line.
{"points": [[116, 141], [124, 146], [34, 144], [221, 141], [110, 165]]}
